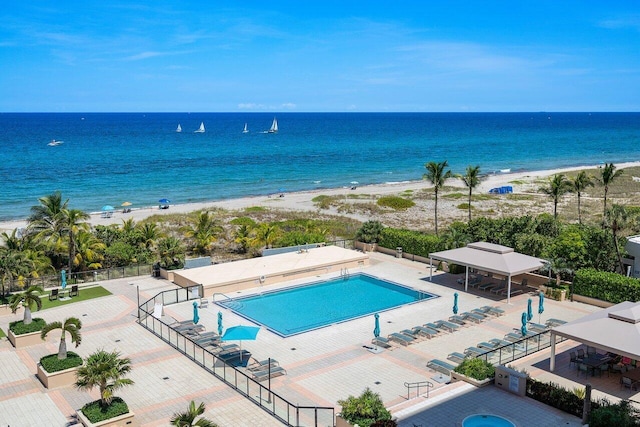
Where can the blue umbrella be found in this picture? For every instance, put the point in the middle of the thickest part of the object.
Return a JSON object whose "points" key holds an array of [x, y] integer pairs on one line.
{"points": [[376, 328], [107, 208], [63, 279], [196, 318], [455, 303], [164, 201], [540, 305], [219, 323], [240, 333], [523, 328], [529, 310]]}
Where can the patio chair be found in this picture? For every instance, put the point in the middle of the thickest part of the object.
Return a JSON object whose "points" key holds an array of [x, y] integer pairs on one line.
{"points": [[581, 353], [583, 368], [456, 357], [440, 366], [401, 339], [591, 350], [628, 383], [53, 295], [74, 291], [573, 358], [381, 342], [604, 368]]}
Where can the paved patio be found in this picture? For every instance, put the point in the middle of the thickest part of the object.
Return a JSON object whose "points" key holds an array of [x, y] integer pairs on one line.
{"points": [[322, 366]]}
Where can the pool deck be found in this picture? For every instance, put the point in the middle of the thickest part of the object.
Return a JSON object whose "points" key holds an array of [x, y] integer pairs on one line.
{"points": [[322, 366]]}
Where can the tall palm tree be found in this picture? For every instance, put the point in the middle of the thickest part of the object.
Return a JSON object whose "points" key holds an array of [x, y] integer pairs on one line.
{"points": [[28, 298], [617, 219], [608, 175], [72, 326], [188, 418], [46, 222], [437, 175], [471, 179], [104, 370], [558, 186], [580, 183], [74, 221], [149, 234]]}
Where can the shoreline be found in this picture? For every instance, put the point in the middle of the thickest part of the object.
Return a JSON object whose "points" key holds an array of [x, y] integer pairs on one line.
{"points": [[302, 200]]}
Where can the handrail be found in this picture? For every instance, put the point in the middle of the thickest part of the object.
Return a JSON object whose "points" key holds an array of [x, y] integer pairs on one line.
{"points": [[417, 385], [232, 302]]}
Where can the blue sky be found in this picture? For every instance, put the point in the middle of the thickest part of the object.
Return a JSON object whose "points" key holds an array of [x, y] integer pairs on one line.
{"points": [[413, 55]]}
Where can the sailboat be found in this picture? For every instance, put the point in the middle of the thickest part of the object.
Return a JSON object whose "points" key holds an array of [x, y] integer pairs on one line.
{"points": [[179, 128], [200, 129], [245, 130], [274, 126]]}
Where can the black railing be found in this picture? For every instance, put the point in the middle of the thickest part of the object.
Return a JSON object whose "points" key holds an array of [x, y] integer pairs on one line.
{"points": [[280, 408], [426, 385], [516, 350]]}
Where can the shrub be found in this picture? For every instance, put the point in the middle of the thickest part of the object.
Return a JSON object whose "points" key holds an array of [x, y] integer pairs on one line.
{"points": [[611, 287], [395, 202], [621, 414], [96, 413], [370, 232], [19, 328], [456, 269], [412, 242], [365, 410], [464, 206], [559, 397], [51, 363], [477, 369]]}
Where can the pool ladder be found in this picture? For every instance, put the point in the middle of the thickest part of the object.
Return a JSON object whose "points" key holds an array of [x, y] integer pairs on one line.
{"points": [[231, 304], [344, 273]]}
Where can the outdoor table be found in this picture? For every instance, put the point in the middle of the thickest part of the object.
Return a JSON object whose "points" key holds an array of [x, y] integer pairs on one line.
{"points": [[594, 361]]}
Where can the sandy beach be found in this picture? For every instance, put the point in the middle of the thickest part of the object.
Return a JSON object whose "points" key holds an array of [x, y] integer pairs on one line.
{"points": [[522, 182]]}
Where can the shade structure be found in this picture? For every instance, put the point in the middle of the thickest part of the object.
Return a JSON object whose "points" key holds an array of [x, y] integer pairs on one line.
{"points": [[455, 303], [196, 318], [107, 208], [240, 333], [164, 201], [529, 310], [126, 204], [63, 279], [220, 323], [376, 327], [523, 328]]}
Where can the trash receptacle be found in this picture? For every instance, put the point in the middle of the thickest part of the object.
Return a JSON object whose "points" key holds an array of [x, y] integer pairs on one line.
{"points": [[399, 252]]}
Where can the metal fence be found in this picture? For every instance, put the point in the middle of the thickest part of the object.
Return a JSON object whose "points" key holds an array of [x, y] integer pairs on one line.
{"points": [[280, 408], [53, 281], [524, 347]]}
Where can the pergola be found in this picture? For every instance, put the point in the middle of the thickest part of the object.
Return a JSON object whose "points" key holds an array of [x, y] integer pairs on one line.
{"points": [[491, 258], [615, 329]]}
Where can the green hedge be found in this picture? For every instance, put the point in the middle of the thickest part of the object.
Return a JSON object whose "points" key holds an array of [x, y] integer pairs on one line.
{"points": [[412, 242], [557, 396], [19, 328], [51, 363], [477, 369], [611, 287], [96, 413]]}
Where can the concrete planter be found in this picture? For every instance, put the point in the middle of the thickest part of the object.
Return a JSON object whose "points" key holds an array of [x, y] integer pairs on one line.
{"points": [[63, 378], [592, 301], [366, 247], [166, 274], [341, 422], [459, 377], [554, 293], [24, 340], [121, 421]]}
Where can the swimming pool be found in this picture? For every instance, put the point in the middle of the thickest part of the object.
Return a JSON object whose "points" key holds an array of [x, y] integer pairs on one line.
{"points": [[299, 309]]}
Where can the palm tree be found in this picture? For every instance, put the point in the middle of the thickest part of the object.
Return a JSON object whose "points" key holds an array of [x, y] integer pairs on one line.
{"points": [[104, 370], [617, 219], [580, 183], [71, 325], [608, 174], [203, 231], [149, 233], [437, 175], [14, 265], [242, 236], [47, 223], [89, 250], [266, 235], [558, 186], [471, 179], [170, 251], [74, 221], [188, 418], [28, 298]]}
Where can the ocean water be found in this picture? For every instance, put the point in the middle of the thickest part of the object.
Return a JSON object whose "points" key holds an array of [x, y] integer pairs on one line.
{"points": [[109, 158]]}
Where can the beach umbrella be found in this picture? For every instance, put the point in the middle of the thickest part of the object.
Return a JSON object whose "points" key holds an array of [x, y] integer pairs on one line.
{"points": [[540, 305], [126, 204], [164, 201], [219, 323], [523, 328], [240, 333], [196, 318], [107, 208], [529, 310], [376, 328], [63, 279], [455, 303]]}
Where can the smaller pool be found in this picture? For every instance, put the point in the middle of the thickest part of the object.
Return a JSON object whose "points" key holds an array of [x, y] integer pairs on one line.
{"points": [[486, 420]]}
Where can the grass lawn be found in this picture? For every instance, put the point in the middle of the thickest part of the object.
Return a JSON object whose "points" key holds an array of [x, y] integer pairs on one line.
{"points": [[83, 295], [2, 334]]}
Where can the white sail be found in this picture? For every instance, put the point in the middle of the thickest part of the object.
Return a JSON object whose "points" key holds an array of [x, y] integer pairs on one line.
{"points": [[179, 128], [245, 130], [274, 126], [201, 128]]}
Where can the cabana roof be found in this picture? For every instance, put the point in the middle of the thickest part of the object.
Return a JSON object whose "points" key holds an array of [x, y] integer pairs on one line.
{"points": [[492, 258]]}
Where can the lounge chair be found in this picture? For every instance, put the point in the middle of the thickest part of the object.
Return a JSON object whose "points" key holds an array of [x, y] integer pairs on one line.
{"points": [[486, 345], [497, 342], [536, 327], [487, 286], [74, 292], [424, 331], [235, 357], [221, 350], [401, 339], [449, 326], [555, 322], [458, 319], [499, 289], [440, 366], [53, 295], [265, 374], [494, 311], [433, 327], [262, 365], [479, 312], [476, 318], [456, 357], [474, 351], [410, 333], [514, 292], [381, 342]]}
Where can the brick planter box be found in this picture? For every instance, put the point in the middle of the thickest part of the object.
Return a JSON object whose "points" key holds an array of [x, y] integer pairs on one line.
{"points": [[24, 340], [459, 377], [62, 378], [121, 421]]}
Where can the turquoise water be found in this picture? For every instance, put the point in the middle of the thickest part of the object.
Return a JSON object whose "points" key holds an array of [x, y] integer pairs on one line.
{"points": [[486, 421], [295, 310], [109, 158]]}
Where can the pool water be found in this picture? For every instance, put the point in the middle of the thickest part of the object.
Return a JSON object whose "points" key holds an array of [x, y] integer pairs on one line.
{"points": [[300, 309], [484, 420]]}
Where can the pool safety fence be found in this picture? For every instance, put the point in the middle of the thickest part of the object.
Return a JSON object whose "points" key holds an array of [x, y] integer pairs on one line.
{"points": [[518, 349], [259, 394]]}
